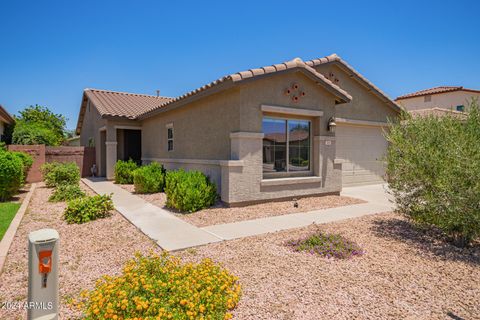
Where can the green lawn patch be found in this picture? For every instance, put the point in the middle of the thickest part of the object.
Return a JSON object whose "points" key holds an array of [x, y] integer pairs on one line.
{"points": [[7, 212]]}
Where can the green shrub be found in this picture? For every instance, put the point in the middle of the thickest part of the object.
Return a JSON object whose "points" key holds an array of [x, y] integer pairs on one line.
{"points": [[124, 171], [327, 245], [11, 174], [57, 173], [27, 162], [189, 191], [433, 170], [149, 178], [88, 208], [162, 287], [66, 192]]}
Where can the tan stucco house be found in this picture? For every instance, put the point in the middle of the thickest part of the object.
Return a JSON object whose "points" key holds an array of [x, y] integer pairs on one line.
{"points": [[438, 100], [292, 129], [5, 120]]}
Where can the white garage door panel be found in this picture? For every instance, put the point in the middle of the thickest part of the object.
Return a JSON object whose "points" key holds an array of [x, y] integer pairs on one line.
{"points": [[362, 150]]}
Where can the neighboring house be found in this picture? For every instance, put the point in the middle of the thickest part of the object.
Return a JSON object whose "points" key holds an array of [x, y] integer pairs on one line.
{"points": [[438, 112], [287, 130], [449, 98], [5, 120], [73, 141]]}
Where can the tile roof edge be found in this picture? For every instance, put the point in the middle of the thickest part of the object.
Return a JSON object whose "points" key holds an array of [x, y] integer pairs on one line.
{"points": [[6, 114], [126, 93], [336, 58], [252, 73], [425, 92]]}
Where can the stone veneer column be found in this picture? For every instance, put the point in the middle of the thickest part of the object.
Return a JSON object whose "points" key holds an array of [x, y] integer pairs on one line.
{"points": [[111, 158]]}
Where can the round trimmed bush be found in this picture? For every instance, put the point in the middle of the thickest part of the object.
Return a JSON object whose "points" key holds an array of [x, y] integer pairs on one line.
{"points": [[66, 192], [88, 208], [56, 174], [189, 191], [11, 174], [162, 287], [124, 171], [27, 162], [149, 178]]}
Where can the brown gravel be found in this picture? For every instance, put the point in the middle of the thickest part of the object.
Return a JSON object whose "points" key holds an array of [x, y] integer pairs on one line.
{"points": [[88, 251], [219, 213], [403, 275]]}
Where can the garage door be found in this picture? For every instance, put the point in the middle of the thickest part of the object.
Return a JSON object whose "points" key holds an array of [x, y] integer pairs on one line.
{"points": [[362, 149]]}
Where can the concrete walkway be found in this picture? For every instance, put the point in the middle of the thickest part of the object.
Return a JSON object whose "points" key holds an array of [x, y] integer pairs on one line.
{"points": [[172, 233], [377, 201]]}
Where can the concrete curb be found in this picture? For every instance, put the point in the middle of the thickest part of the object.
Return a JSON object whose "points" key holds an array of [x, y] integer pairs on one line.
{"points": [[12, 229]]}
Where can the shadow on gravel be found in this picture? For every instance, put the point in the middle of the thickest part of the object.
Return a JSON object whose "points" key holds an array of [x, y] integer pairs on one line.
{"points": [[430, 241]]}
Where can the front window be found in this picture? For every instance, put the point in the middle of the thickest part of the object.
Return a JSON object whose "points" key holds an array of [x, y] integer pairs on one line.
{"points": [[286, 145], [170, 137]]}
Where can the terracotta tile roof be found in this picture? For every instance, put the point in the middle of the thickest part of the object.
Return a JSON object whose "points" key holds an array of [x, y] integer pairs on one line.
{"points": [[258, 72], [122, 104], [137, 106], [437, 112], [334, 58], [435, 90], [5, 115]]}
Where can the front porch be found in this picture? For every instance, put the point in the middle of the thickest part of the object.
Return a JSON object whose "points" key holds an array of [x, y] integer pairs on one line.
{"points": [[118, 143]]}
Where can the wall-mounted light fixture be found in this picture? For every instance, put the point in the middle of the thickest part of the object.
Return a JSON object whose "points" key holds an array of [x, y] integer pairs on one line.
{"points": [[331, 124]]}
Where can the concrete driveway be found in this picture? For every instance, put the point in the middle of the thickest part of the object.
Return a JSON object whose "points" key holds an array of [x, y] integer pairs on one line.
{"points": [[376, 193]]}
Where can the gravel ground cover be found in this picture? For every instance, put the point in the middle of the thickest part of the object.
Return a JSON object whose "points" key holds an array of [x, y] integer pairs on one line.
{"points": [[219, 213], [403, 275], [88, 251]]}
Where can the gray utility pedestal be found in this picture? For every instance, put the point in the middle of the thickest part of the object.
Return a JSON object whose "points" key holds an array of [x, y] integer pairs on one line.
{"points": [[43, 274]]}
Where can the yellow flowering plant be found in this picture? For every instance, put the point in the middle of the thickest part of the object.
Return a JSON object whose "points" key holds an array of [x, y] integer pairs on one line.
{"points": [[162, 287]]}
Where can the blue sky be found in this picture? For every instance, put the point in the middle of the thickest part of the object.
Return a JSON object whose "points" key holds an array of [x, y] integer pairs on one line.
{"points": [[51, 50]]}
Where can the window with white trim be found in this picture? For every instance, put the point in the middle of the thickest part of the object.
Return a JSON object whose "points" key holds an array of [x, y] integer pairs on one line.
{"points": [[170, 137]]}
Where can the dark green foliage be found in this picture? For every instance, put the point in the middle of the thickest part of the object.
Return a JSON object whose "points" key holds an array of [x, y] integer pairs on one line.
{"points": [[6, 137], [39, 125], [34, 133], [11, 174], [27, 162], [88, 208], [124, 171], [149, 178], [327, 245], [189, 191], [55, 173], [434, 172], [65, 192]]}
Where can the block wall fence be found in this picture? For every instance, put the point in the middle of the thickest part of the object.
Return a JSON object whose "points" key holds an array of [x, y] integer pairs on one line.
{"points": [[84, 157]]}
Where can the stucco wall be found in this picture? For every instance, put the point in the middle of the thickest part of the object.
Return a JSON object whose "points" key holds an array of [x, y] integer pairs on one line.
{"points": [[270, 91], [245, 182], [201, 129], [447, 100], [365, 105], [92, 122], [203, 133]]}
